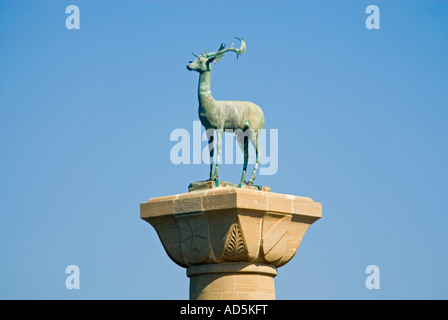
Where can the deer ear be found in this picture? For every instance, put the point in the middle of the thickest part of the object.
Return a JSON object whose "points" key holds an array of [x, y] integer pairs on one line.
{"points": [[211, 59]]}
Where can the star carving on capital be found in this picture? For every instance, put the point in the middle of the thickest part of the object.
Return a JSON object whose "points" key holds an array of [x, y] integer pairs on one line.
{"points": [[192, 232]]}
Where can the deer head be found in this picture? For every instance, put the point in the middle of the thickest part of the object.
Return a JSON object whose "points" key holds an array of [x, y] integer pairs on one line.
{"points": [[202, 62]]}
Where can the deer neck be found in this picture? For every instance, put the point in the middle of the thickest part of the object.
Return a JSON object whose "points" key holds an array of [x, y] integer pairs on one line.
{"points": [[206, 100]]}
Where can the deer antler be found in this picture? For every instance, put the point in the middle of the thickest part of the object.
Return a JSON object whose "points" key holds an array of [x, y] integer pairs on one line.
{"points": [[220, 53]]}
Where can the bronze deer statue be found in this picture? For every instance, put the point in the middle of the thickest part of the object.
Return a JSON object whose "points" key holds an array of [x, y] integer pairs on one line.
{"points": [[245, 118]]}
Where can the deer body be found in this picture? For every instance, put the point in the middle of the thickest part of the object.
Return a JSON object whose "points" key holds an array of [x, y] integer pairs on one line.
{"points": [[215, 114], [222, 115]]}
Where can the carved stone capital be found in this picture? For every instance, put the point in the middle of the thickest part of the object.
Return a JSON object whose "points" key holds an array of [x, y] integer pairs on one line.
{"points": [[223, 225]]}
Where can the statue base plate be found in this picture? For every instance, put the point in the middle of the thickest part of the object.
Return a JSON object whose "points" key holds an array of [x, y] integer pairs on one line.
{"points": [[210, 184]]}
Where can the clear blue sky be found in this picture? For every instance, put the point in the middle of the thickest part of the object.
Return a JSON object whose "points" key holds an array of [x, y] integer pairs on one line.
{"points": [[86, 117]]}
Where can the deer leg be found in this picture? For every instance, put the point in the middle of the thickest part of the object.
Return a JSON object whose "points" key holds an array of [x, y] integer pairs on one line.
{"points": [[211, 150], [246, 158], [254, 140], [218, 152]]}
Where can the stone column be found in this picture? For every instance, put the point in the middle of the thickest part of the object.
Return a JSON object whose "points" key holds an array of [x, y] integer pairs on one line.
{"points": [[231, 240]]}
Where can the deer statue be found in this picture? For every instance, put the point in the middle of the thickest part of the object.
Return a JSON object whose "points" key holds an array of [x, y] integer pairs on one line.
{"points": [[245, 118]]}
